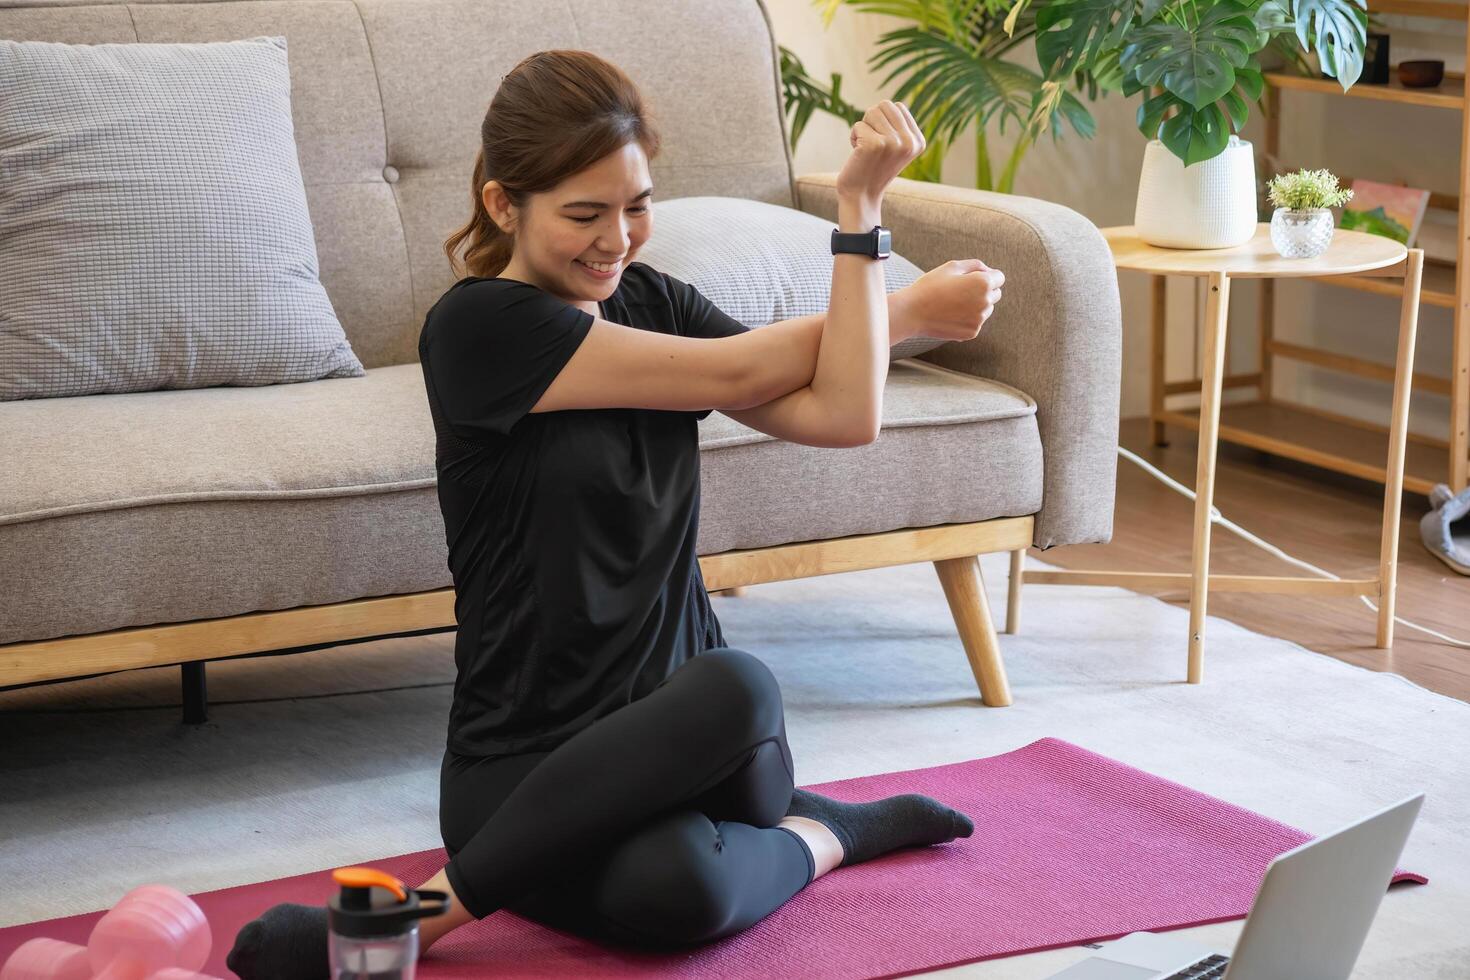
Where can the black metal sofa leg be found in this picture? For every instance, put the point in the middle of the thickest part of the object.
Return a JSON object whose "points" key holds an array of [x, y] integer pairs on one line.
{"points": [[196, 700]]}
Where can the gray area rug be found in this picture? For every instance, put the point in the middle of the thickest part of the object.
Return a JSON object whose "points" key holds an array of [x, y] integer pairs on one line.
{"points": [[101, 791]]}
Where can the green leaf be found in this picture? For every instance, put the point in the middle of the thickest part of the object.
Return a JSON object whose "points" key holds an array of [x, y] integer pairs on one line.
{"points": [[1195, 63], [1341, 32], [948, 86], [803, 95], [1072, 110], [1250, 81], [1238, 111], [1271, 18], [1108, 74], [1151, 114], [1151, 9], [928, 14], [1071, 33], [1196, 134]]}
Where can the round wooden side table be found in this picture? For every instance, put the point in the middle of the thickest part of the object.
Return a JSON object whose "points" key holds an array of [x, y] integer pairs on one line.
{"points": [[1351, 252]]}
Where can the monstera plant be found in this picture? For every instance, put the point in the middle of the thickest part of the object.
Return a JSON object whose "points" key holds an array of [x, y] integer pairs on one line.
{"points": [[1202, 56]]}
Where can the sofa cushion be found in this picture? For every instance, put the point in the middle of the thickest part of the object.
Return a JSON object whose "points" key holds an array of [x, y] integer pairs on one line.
{"points": [[154, 230], [162, 507], [342, 436], [759, 262]]}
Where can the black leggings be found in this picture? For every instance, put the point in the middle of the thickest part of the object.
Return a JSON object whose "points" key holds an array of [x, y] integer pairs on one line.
{"points": [[654, 827]]}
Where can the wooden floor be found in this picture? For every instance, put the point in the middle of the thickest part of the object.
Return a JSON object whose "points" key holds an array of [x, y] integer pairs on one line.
{"points": [[1330, 520]]}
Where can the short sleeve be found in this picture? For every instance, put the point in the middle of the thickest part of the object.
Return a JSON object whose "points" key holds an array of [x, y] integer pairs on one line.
{"points": [[491, 349], [696, 316]]}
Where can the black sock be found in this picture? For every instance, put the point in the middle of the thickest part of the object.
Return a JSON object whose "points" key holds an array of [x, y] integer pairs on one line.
{"points": [[288, 942], [867, 830]]}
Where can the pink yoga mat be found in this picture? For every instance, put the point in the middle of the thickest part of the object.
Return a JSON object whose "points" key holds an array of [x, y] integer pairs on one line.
{"points": [[1069, 847]]}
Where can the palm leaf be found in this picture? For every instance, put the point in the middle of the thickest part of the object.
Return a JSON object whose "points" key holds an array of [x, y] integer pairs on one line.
{"points": [[926, 13], [950, 87], [803, 95]]}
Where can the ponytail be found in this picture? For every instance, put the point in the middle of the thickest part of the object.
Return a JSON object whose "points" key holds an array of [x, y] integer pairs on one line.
{"points": [[487, 249]]}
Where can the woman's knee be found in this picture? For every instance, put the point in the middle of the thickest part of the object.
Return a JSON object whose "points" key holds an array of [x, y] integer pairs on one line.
{"points": [[732, 678], [665, 885]]}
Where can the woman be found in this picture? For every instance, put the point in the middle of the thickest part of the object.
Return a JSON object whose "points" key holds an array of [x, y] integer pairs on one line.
{"points": [[613, 767]]}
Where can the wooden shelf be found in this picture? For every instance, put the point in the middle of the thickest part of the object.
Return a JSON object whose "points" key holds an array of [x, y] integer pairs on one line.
{"points": [[1448, 94], [1346, 446], [1437, 287]]}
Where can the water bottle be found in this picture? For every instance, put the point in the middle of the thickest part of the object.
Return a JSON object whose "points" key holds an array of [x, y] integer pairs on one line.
{"points": [[374, 923]]}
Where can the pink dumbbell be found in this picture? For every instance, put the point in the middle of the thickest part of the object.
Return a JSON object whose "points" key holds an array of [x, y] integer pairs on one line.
{"points": [[122, 968], [47, 959], [153, 927], [154, 932]]}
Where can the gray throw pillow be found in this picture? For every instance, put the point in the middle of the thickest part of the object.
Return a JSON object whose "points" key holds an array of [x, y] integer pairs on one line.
{"points": [[759, 262], [154, 231]]}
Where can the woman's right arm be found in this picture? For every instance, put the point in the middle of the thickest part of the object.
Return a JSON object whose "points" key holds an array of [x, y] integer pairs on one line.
{"points": [[852, 364]]}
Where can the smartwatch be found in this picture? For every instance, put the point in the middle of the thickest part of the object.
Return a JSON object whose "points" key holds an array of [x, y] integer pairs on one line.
{"points": [[874, 244]]}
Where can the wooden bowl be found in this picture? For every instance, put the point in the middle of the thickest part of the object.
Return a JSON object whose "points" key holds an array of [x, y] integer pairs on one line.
{"points": [[1421, 74]]}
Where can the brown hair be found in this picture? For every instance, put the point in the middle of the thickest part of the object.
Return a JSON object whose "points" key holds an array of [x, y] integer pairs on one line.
{"points": [[556, 113]]}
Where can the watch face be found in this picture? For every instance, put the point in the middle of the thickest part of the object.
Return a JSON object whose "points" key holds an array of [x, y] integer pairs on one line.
{"points": [[885, 239]]}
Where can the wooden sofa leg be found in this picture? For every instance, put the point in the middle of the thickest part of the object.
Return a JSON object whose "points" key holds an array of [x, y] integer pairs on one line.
{"points": [[196, 700], [965, 590], [1013, 592]]}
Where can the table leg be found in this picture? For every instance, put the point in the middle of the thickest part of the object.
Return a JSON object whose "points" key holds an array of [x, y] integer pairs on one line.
{"points": [[1398, 430], [1157, 320], [1212, 374], [1266, 324]]}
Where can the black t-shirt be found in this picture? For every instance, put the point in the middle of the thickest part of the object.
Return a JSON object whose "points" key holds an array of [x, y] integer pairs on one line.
{"points": [[571, 533]]}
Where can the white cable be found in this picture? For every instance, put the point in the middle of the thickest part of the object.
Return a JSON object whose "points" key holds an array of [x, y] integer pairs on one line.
{"points": [[1218, 518]]}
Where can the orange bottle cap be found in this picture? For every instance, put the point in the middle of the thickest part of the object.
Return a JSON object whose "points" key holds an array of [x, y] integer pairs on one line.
{"points": [[359, 877]]}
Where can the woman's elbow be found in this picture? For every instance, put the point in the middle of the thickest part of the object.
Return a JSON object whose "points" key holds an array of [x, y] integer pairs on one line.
{"points": [[860, 435]]}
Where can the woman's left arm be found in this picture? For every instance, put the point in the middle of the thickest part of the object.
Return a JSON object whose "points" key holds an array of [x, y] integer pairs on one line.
{"points": [[800, 416]]}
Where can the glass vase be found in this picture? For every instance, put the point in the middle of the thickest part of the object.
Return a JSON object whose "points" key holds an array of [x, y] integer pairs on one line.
{"points": [[1301, 233]]}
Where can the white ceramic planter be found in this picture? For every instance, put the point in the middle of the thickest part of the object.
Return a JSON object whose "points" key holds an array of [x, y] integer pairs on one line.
{"points": [[1210, 204]]}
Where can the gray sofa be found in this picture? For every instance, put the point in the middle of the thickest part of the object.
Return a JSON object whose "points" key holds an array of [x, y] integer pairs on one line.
{"points": [[180, 526]]}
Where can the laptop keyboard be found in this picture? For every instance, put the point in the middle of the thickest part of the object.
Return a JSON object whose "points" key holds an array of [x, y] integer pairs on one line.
{"points": [[1209, 968]]}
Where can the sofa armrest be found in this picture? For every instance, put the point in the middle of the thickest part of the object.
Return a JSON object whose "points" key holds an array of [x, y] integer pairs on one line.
{"points": [[1056, 334]]}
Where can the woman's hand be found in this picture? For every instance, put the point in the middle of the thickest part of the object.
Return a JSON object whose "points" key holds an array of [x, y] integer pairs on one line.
{"points": [[883, 142], [953, 301]]}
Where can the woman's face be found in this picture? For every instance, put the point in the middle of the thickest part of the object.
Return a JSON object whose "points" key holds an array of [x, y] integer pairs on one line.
{"points": [[601, 215]]}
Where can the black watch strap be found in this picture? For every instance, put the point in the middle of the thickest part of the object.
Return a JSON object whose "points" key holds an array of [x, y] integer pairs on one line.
{"points": [[874, 244]]}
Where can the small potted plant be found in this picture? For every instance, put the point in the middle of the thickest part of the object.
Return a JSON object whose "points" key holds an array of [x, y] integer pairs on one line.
{"points": [[1301, 225]]}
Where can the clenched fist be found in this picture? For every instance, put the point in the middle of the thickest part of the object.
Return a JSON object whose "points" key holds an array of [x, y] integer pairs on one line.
{"points": [[883, 142], [953, 301]]}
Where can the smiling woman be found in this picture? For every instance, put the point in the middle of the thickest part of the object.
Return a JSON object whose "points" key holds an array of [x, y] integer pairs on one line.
{"points": [[612, 767]]}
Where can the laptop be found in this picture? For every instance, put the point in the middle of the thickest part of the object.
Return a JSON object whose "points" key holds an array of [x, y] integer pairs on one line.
{"points": [[1308, 922]]}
